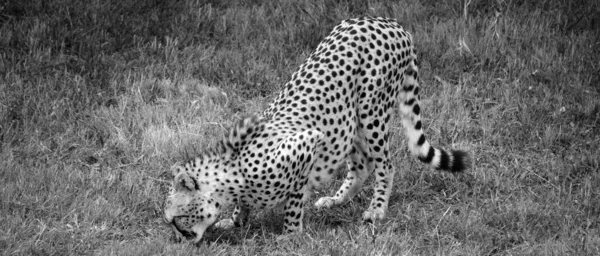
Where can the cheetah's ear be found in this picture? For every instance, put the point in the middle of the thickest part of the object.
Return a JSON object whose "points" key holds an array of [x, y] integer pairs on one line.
{"points": [[183, 182], [176, 169]]}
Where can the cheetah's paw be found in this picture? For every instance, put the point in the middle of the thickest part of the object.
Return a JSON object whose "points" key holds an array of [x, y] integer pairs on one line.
{"points": [[225, 223], [326, 202], [372, 215]]}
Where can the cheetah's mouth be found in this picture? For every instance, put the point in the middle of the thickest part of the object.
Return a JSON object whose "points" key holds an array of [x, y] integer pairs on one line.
{"points": [[181, 232]]}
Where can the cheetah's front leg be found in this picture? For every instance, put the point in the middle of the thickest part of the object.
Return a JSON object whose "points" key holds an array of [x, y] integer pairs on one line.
{"points": [[238, 218], [294, 212], [360, 166]]}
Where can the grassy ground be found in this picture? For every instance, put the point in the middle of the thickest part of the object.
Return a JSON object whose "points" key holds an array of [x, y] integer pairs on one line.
{"points": [[99, 98]]}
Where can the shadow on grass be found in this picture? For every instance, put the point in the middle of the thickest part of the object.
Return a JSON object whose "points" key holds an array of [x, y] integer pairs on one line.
{"points": [[268, 225]]}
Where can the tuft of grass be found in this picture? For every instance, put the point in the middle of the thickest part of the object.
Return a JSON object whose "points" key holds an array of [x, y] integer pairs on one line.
{"points": [[99, 99]]}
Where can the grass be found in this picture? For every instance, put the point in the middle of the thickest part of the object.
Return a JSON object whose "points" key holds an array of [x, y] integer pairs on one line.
{"points": [[99, 99]]}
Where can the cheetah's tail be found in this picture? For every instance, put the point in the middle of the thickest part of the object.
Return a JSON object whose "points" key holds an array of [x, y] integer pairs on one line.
{"points": [[452, 161]]}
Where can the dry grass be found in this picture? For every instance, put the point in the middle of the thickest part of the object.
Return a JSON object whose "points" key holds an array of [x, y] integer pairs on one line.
{"points": [[99, 99]]}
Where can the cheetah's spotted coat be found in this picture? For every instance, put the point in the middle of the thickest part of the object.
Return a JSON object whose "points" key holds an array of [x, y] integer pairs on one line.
{"points": [[335, 109]]}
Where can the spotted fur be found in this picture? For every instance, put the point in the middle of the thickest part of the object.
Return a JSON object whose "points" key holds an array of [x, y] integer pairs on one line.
{"points": [[335, 109]]}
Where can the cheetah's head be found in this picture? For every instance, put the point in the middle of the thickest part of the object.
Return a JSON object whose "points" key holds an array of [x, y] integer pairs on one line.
{"points": [[188, 209]]}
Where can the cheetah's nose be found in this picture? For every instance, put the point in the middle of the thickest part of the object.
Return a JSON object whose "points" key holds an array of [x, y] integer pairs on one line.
{"points": [[169, 215]]}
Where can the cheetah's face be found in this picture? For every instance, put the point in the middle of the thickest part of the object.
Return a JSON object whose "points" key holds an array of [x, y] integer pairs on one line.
{"points": [[188, 209]]}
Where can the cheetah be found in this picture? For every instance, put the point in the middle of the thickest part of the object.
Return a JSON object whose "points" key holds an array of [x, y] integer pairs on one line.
{"points": [[335, 109]]}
